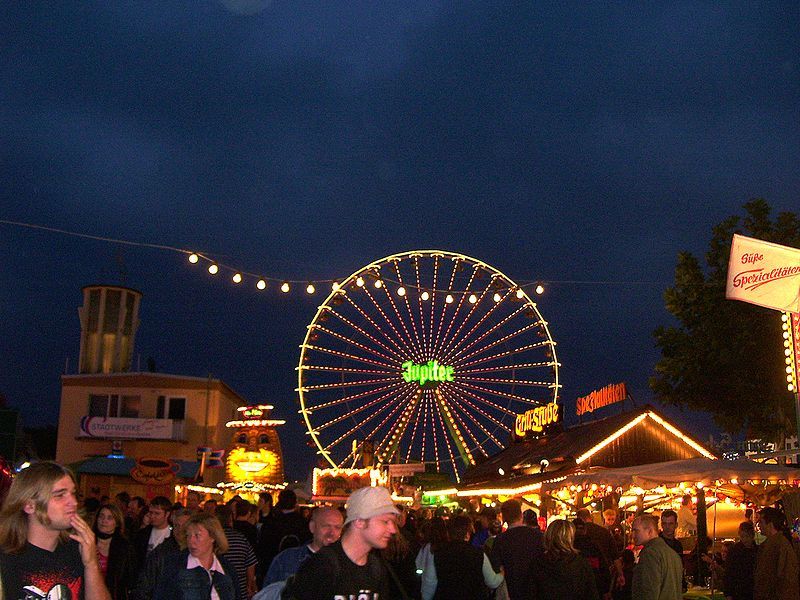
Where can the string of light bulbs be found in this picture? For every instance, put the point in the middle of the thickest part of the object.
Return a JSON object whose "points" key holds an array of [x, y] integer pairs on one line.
{"points": [[285, 285]]}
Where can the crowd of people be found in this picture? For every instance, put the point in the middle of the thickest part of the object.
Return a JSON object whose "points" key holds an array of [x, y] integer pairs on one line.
{"points": [[55, 547]]}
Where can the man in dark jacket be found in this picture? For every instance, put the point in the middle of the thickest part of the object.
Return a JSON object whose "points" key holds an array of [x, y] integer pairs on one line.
{"points": [[152, 568], [150, 537], [659, 573], [287, 528], [517, 550]]}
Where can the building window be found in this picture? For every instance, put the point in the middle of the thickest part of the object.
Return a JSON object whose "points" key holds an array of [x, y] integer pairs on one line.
{"points": [[112, 405], [171, 408]]}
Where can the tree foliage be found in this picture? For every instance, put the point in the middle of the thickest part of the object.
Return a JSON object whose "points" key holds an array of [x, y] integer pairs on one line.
{"points": [[726, 357]]}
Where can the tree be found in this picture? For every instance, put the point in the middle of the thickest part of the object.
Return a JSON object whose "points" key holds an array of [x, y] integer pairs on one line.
{"points": [[726, 357]]}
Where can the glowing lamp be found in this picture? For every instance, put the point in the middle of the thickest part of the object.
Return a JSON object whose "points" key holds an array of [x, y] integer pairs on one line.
{"points": [[360, 282], [449, 298], [310, 288], [401, 291], [285, 287], [473, 298], [261, 284], [497, 297], [425, 295], [193, 258], [213, 269], [539, 289], [237, 278], [520, 294]]}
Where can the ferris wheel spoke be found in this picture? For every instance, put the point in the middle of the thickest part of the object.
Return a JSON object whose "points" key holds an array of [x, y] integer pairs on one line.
{"points": [[350, 432], [501, 394], [514, 352], [397, 352], [383, 424], [398, 339], [384, 398], [460, 412], [393, 341], [435, 438], [417, 337], [461, 298], [349, 356], [392, 355], [453, 430], [447, 444], [444, 308], [503, 340], [344, 384], [418, 413], [490, 331], [450, 344], [425, 342], [469, 335], [308, 409], [393, 446], [465, 398], [524, 382], [515, 367]]}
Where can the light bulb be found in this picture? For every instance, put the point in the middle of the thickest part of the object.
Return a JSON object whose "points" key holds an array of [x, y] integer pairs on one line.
{"points": [[360, 282], [425, 295], [497, 297], [285, 287], [193, 258], [448, 299], [540, 289], [237, 278], [213, 269], [520, 294], [310, 288], [473, 298], [261, 284], [335, 286], [401, 291], [378, 283]]}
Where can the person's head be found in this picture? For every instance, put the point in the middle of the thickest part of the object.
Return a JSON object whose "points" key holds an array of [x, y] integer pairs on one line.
{"points": [[265, 502], [496, 527], [210, 506], [747, 533], [530, 518], [287, 500], [122, 500], [559, 539], [136, 507], [42, 496], [225, 515], [109, 521], [686, 500], [511, 510], [669, 522], [584, 515], [748, 514], [241, 509], [204, 535], [644, 529], [609, 517], [159, 511], [372, 516], [326, 526], [179, 519], [580, 527], [726, 549], [771, 521], [460, 528], [192, 500]]}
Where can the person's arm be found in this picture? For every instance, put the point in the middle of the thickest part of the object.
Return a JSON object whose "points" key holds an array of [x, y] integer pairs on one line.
{"points": [[429, 578], [252, 588], [490, 578], [94, 586]]}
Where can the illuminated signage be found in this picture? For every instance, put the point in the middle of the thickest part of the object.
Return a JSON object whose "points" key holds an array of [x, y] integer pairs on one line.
{"points": [[536, 419], [599, 398], [427, 373]]}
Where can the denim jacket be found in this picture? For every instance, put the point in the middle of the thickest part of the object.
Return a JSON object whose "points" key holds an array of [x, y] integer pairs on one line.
{"points": [[176, 582]]}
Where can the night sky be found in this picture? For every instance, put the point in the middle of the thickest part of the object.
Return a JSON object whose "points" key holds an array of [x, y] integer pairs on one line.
{"points": [[578, 144]]}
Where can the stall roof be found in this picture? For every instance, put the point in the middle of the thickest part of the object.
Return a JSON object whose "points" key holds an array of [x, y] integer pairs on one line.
{"points": [[121, 467], [520, 467]]}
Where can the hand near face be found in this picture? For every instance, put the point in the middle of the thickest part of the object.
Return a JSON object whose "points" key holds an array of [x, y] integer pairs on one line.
{"points": [[85, 537]]}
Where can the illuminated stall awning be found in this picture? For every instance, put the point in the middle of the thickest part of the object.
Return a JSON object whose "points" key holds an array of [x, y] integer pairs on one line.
{"points": [[633, 438]]}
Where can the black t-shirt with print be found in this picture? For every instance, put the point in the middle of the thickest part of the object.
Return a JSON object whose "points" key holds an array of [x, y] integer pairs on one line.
{"points": [[331, 575], [34, 573]]}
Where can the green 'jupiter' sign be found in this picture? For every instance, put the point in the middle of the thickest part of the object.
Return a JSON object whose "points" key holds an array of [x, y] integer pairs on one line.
{"points": [[426, 374]]}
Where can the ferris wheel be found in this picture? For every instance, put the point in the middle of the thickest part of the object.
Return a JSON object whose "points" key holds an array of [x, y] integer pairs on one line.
{"points": [[424, 356]]}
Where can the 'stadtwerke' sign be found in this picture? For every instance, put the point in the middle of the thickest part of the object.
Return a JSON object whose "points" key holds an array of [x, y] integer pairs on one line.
{"points": [[536, 419], [112, 427], [429, 373]]}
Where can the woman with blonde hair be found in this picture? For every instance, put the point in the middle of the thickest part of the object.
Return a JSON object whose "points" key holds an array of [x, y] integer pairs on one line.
{"points": [[563, 572], [198, 570]]}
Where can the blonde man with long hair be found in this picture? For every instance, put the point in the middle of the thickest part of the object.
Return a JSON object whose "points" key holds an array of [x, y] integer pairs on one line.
{"points": [[563, 572], [47, 549]]}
